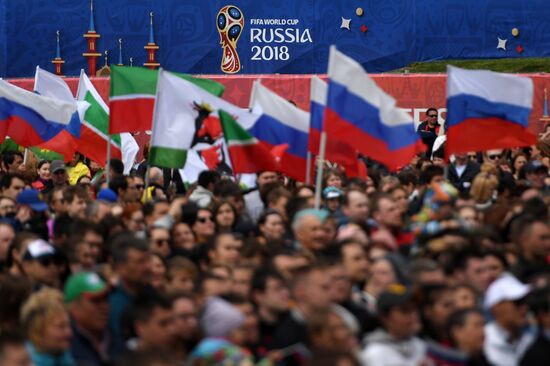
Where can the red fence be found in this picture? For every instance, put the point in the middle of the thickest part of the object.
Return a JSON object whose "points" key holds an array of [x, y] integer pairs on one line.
{"points": [[415, 92]]}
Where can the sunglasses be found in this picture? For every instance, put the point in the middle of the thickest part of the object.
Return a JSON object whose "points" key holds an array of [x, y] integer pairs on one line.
{"points": [[203, 220], [494, 157], [139, 186], [159, 242], [472, 157], [432, 115], [46, 262]]}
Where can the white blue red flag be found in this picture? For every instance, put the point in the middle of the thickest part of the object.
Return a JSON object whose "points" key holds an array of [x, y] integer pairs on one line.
{"points": [[281, 124], [367, 118], [487, 110]]}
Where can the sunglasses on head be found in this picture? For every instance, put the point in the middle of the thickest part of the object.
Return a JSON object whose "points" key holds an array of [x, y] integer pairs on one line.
{"points": [[204, 219]]}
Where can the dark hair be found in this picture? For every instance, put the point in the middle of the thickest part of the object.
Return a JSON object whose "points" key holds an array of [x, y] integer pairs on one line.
{"points": [[143, 306], [122, 243], [325, 357], [208, 176], [41, 163], [539, 300], [498, 253], [146, 358], [407, 177], [332, 171], [263, 217], [261, 276], [523, 224], [429, 173], [14, 291], [117, 166], [218, 205], [10, 338], [6, 179], [430, 110], [458, 319], [63, 226], [70, 192], [9, 157], [118, 182], [227, 188]]}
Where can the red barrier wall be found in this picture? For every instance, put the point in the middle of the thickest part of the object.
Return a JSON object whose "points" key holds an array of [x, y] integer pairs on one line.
{"points": [[415, 92]]}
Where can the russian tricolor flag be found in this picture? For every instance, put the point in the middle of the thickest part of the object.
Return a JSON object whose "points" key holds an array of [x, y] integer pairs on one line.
{"points": [[487, 110], [367, 118], [318, 102], [337, 151], [281, 123], [31, 119]]}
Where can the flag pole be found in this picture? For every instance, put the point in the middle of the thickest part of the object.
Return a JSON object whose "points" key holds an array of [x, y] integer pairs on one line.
{"points": [[108, 165], [321, 162], [308, 168], [26, 156]]}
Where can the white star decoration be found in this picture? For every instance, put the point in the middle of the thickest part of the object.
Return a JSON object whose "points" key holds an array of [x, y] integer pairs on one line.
{"points": [[345, 23], [502, 44]]}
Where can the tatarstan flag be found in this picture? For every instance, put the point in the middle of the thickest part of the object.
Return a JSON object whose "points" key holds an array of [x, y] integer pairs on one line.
{"points": [[132, 97], [248, 154], [95, 127]]}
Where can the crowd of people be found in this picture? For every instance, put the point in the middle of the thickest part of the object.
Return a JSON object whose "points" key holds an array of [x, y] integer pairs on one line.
{"points": [[442, 263]]}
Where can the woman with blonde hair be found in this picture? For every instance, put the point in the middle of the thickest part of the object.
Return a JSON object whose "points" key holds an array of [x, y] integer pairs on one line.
{"points": [[46, 324], [484, 187]]}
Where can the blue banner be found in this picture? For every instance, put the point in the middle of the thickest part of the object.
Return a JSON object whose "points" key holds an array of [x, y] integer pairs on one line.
{"points": [[270, 36]]}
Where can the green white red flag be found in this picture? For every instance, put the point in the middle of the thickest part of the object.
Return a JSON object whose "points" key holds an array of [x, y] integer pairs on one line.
{"points": [[132, 98]]}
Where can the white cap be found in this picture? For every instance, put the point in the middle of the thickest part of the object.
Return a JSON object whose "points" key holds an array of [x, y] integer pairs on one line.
{"points": [[505, 288]]}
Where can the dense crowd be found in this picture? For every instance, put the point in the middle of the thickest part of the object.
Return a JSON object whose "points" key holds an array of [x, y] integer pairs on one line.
{"points": [[438, 264]]}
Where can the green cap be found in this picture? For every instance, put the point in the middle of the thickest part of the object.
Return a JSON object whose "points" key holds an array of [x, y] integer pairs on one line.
{"points": [[82, 283]]}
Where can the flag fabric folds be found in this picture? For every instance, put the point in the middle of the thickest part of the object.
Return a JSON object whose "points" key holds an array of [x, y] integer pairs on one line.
{"points": [[367, 118], [185, 117], [280, 123], [337, 151], [53, 86], [31, 119], [248, 155], [94, 135], [132, 97], [487, 110]]}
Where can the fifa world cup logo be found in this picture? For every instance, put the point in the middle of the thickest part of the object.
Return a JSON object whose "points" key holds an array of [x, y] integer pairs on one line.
{"points": [[230, 26]]}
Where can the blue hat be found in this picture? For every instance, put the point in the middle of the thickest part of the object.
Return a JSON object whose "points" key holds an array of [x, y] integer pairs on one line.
{"points": [[107, 194], [332, 192], [30, 197]]}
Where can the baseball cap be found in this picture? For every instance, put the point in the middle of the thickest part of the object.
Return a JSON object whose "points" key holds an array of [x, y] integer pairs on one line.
{"points": [[39, 249], [57, 165], [30, 197], [534, 166], [505, 288], [332, 192], [84, 283], [394, 295], [108, 195]]}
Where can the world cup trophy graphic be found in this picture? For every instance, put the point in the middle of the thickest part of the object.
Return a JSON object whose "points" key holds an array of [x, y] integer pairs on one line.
{"points": [[230, 22]]}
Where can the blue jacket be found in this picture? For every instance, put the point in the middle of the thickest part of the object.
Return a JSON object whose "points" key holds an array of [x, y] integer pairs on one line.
{"points": [[45, 359]]}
